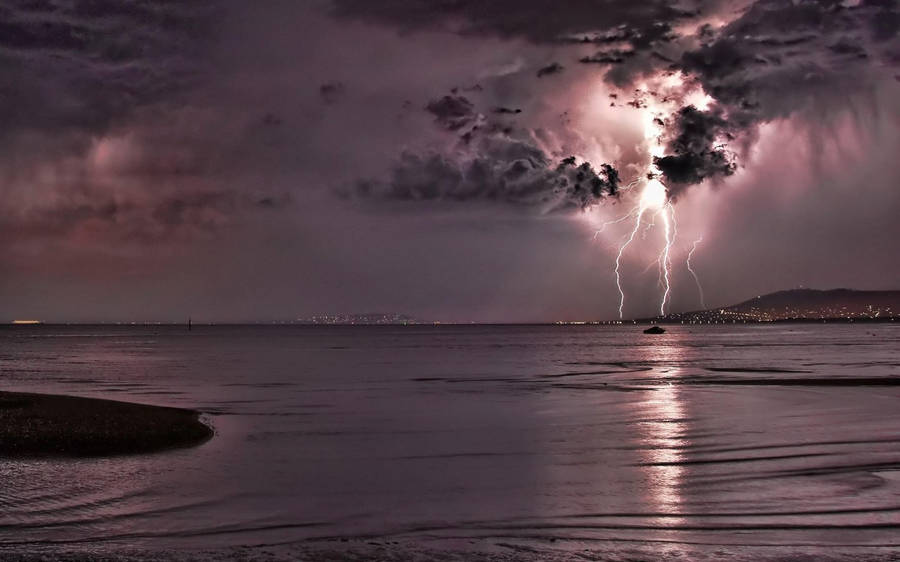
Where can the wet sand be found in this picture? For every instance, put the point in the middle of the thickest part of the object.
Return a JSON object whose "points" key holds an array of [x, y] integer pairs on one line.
{"points": [[46, 425]]}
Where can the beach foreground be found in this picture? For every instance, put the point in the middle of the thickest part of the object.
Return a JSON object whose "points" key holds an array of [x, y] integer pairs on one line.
{"points": [[47, 425]]}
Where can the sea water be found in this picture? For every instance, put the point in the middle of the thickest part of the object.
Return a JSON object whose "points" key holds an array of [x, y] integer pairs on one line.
{"points": [[548, 439]]}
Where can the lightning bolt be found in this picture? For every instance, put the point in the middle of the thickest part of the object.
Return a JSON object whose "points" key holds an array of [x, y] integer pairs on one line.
{"points": [[652, 197], [653, 200], [637, 224], [670, 231], [614, 221], [694, 273]]}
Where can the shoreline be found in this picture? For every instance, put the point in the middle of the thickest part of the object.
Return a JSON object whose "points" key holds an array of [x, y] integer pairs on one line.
{"points": [[60, 426]]}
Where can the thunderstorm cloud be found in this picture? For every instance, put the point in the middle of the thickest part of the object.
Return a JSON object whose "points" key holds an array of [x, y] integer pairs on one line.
{"points": [[150, 143]]}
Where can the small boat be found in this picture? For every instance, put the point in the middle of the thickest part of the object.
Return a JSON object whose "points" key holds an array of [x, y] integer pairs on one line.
{"points": [[655, 330]]}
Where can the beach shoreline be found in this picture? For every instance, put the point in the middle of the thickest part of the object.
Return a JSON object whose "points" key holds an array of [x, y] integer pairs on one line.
{"points": [[51, 425]]}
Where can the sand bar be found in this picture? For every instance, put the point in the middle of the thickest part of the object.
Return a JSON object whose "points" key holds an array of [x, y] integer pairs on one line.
{"points": [[46, 425]]}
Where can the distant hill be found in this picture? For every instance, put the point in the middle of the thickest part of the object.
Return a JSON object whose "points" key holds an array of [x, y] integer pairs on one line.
{"points": [[801, 304]]}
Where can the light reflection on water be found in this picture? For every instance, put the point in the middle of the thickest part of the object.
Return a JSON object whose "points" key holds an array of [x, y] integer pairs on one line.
{"points": [[662, 434]]}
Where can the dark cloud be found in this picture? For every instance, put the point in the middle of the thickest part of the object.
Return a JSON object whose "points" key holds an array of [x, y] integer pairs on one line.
{"points": [[884, 21], [695, 152], [542, 21], [780, 54], [778, 58], [497, 169], [844, 47], [110, 135], [552, 68], [633, 51], [769, 62], [81, 65], [452, 112], [492, 162], [331, 92], [608, 57], [174, 142], [119, 219], [632, 32]]}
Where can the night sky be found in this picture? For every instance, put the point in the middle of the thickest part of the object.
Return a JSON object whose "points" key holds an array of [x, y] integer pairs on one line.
{"points": [[451, 160]]}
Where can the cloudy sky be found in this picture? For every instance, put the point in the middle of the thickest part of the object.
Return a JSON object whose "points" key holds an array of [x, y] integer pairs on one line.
{"points": [[455, 161]]}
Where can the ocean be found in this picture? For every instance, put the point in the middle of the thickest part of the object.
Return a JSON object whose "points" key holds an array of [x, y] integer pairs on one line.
{"points": [[523, 442]]}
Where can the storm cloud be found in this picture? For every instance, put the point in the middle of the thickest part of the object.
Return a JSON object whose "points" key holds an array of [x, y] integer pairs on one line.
{"points": [[693, 153], [541, 21], [780, 56], [452, 112], [290, 157], [496, 169], [79, 66], [776, 58]]}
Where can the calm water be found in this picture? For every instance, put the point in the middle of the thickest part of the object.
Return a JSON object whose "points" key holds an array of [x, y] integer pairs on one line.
{"points": [[574, 437]]}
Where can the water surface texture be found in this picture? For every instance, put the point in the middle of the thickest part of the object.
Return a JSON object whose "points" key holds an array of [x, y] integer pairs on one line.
{"points": [[779, 436]]}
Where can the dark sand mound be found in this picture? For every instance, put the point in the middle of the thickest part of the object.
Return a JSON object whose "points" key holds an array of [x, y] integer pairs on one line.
{"points": [[45, 425]]}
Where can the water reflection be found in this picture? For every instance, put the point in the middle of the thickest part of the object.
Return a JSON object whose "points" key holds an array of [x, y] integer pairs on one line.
{"points": [[662, 429]]}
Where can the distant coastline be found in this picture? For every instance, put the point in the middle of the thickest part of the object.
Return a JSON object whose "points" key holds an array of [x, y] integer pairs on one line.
{"points": [[794, 305], [668, 320], [797, 305]]}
